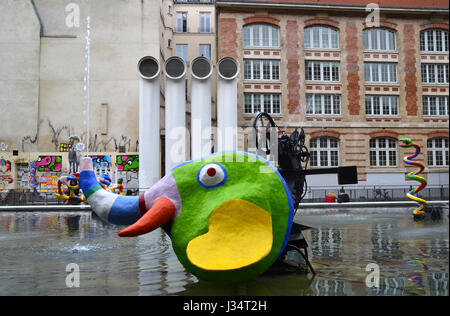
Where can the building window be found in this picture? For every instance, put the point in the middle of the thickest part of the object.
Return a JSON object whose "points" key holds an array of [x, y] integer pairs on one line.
{"points": [[261, 35], [205, 50], [205, 22], [380, 72], [381, 105], [437, 152], [379, 39], [324, 152], [434, 41], [323, 104], [182, 51], [434, 73], [321, 37], [435, 106], [322, 71], [182, 22], [258, 102], [383, 152], [255, 69]]}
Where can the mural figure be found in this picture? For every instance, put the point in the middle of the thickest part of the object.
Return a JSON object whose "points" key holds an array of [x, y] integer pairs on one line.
{"points": [[49, 163], [128, 163], [33, 178]]}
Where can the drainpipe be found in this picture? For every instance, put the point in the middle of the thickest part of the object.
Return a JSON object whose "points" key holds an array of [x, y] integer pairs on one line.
{"points": [[149, 105], [201, 71], [175, 112]]}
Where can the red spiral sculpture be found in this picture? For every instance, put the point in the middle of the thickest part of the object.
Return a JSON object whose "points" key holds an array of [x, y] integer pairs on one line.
{"points": [[414, 175]]}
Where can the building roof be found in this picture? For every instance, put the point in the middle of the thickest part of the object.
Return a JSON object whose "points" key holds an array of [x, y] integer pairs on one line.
{"points": [[411, 4]]}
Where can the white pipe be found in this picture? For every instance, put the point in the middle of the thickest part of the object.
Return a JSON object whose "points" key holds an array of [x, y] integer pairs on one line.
{"points": [[201, 71], [227, 70], [175, 112], [149, 106]]}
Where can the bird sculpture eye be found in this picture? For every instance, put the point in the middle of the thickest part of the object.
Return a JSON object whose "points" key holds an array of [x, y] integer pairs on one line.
{"points": [[211, 176]]}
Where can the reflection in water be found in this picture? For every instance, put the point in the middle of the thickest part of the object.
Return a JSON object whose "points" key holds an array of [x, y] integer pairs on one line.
{"points": [[35, 249]]}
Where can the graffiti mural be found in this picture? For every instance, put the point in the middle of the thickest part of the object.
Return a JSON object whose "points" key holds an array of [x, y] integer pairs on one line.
{"points": [[49, 163], [22, 175], [127, 163], [5, 173], [5, 165], [101, 163], [49, 183], [64, 147]]}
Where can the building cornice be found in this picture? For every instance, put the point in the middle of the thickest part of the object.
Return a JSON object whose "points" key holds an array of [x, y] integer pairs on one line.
{"points": [[327, 6]]}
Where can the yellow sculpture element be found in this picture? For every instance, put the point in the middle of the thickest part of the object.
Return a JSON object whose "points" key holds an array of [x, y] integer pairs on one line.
{"points": [[248, 231]]}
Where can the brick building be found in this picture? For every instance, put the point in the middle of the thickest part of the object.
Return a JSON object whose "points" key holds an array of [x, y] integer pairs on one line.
{"points": [[357, 78]]}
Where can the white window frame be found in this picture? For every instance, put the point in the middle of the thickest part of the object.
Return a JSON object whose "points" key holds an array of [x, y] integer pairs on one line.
{"points": [[377, 108], [377, 68], [179, 28], [261, 97], [309, 38], [429, 76], [182, 51], [430, 101], [433, 150], [323, 65], [335, 99], [251, 29], [273, 64], [386, 150], [367, 39], [437, 35], [327, 151], [205, 22], [202, 51]]}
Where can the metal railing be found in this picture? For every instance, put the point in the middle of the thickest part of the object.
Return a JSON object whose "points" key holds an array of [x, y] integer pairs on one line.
{"points": [[313, 195], [377, 193]]}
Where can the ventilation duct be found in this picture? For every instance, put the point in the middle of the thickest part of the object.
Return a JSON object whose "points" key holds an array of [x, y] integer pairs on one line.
{"points": [[175, 112], [149, 104], [201, 71]]}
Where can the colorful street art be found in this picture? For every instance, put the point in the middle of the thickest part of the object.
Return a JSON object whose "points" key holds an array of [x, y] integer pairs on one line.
{"points": [[64, 147], [49, 163], [102, 163], [127, 163], [4, 181], [5, 165], [49, 183]]}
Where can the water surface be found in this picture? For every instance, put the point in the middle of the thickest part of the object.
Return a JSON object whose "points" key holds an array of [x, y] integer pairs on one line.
{"points": [[35, 249]]}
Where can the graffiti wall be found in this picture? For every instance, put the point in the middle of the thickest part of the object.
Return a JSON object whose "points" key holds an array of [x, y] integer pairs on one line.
{"points": [[22, 175], [49, 163], [102, 163], [49, 183], [127, 163], [64, 147], [6, 178]]}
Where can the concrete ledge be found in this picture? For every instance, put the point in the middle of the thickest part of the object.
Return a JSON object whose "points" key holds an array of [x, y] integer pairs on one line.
{"points": [[348, 205]]}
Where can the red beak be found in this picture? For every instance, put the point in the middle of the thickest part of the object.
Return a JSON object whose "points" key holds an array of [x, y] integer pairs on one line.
{"points": [[162, 211]]}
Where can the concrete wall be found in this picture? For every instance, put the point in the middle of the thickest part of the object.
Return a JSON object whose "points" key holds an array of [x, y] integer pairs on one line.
{"points": [[19, 73], [121, 33]]}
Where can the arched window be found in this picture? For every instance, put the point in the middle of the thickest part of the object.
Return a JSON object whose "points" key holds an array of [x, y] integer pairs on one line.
{"points": [[324, 152], [379, 39], [434, 40], [321, 37], [383, 152], [261, 35], [437, 152]]}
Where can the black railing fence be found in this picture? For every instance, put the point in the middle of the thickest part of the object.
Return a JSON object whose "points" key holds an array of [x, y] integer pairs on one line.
{"points": [[313, 194]]}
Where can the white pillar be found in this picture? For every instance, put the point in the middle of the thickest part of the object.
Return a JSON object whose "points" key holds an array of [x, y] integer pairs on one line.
{"points": [[201, 71], [227, 70], [175, 127], [149, 105]]}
